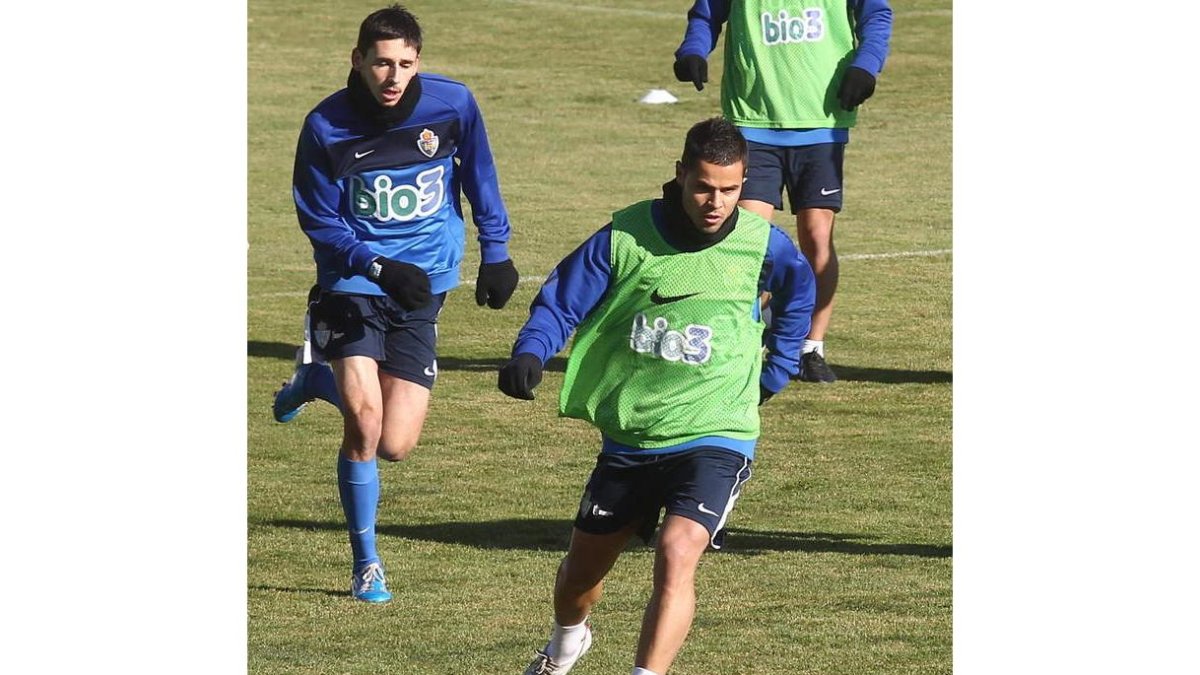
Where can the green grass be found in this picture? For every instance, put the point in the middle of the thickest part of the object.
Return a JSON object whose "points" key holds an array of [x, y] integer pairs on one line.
{"points": [[839, 557]]}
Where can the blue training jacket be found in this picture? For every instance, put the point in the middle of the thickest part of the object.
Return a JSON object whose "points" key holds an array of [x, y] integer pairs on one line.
{"points": [[362, 191]]}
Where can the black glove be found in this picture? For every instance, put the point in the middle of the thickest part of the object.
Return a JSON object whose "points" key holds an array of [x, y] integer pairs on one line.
{"points": [[764, 394], [496, 283], [857, 86], [692, 68], [520, 375], [407, 284]]}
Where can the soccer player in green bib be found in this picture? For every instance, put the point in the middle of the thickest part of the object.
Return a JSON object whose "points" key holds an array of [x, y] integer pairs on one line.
{"points": [[794, 78], [668, 363]]}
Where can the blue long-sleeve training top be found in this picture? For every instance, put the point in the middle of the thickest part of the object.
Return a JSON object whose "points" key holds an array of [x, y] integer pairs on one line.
{"points": [[363, 191]]}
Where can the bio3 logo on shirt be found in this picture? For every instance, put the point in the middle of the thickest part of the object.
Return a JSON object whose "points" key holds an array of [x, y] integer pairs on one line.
{"points": [[784, 29], [384, 201], [692, 346]]}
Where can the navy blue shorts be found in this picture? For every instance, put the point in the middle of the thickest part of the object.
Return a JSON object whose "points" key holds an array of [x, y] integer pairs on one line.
{"points": [[812, 175], [701, 484], [403, 342]]}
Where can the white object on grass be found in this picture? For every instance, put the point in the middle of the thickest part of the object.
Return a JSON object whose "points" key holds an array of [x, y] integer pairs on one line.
{"points": [[658, 96]]}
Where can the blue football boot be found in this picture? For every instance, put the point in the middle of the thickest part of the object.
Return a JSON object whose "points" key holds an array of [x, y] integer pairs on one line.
{"points": [[368, 584]]}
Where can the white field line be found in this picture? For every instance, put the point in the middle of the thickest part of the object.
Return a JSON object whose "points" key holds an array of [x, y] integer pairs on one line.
{"points": [[532, 279]]}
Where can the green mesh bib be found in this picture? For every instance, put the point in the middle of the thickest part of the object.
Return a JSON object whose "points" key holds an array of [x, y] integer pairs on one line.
{"points": [[673, 352], [784, 62]]}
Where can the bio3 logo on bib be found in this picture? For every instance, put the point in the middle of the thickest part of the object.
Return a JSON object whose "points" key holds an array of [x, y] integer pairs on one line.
{"points": [[692, 346], [384, 201], [784, 29]]}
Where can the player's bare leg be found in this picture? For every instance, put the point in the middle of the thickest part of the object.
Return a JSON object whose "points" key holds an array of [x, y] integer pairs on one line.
{"points": [[362, 397], [580, 579], [358, 475], [577, 587], [405, 405], [814, 228], [668, 616]]}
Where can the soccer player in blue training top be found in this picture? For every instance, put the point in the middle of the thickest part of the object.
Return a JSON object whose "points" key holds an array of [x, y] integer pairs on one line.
{"points": [[378, 168], [668, 364], [793, 81]]}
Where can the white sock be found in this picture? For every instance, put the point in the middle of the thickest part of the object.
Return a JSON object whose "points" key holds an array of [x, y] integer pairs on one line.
{"points": [[566, 640], [817, 346], [642, 671]]}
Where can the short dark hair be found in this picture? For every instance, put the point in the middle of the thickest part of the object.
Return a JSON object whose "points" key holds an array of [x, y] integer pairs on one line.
{"points": [[389, 23], [716, 141]]}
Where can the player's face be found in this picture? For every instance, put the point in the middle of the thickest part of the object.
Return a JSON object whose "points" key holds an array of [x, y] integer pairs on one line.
{"points": [[387, 68], [710, 192]]}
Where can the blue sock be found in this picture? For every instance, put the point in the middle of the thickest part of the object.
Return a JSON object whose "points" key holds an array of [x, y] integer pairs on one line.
{"points": [[358, 486]]}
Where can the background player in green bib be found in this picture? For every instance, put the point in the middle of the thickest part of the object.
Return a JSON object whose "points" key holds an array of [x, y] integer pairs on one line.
{"points": [[668, 364], [794, 76]]}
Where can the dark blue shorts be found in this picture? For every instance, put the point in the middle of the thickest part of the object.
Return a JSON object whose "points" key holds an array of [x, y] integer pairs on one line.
{"points": [[403, 342], [700, 484], [812, 175]]}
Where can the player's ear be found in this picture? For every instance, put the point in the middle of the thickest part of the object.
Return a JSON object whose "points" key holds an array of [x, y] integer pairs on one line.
{"points": [[356, 58], [679, 172]]}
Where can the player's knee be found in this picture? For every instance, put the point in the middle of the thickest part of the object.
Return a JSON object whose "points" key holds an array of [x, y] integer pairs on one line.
{"points": [[396, 447], [362, 428], [679, 551]]}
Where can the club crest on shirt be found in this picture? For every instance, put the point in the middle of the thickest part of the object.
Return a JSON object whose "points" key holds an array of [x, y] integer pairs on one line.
{"points": [[427, 143]]}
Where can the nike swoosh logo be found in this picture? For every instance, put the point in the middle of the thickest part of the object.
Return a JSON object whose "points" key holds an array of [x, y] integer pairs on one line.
{"points": [[829, 192], [704, 510], [664, 299], [429, 372], [360, 155]]}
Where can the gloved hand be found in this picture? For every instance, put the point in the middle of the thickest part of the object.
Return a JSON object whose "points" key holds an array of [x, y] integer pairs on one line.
{"points": [[496, 283], [692, 68], [764, 394], [406, 283], [857, 86], [520, 375]]}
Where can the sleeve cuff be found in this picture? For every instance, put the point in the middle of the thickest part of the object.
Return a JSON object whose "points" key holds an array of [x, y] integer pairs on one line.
{"points": [[493, 253]]}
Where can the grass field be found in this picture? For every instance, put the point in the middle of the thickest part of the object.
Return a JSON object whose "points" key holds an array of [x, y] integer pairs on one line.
{"points": [[839, 556]]}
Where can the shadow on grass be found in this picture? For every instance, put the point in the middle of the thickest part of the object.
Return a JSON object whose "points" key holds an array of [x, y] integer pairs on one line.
{"points": [[543, 534], [287, 352], [740, 540], [308, 591], [271, 350], [533, 534], [890, 376]]}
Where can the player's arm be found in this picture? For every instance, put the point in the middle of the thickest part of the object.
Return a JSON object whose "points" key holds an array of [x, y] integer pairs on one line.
{"points": [[318, 196], [480, 183], [873, 28], [573, 289], [788, 277], [704, 21]]}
